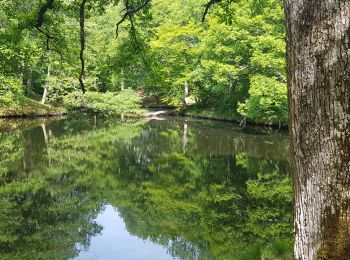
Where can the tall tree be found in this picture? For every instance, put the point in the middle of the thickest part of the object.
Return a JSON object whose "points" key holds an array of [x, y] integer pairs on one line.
{"points": [[82, 44], [319, 105]]}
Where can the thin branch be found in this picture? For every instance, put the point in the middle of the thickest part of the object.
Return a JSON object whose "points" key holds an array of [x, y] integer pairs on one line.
{"points": [[48, 36], [207, 6], [40, 20], [129, 12]]}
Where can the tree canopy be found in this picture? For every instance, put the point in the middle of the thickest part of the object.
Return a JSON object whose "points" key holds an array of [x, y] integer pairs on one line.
{"points": [[232, 61]]}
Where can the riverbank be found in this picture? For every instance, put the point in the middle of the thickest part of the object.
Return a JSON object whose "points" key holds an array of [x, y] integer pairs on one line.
{"points": [[19, 124], [213, 114], [31, 108]]}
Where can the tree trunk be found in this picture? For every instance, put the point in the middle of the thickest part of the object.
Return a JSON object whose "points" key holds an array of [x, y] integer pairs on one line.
{"points": [[21, 68], [122, 85], [319, 116], [29, 81], [186, 93], [43, 99], [82, 44], [186, 90]]}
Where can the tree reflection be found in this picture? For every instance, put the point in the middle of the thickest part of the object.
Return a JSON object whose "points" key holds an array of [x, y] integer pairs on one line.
{"points": [[170, 182]]}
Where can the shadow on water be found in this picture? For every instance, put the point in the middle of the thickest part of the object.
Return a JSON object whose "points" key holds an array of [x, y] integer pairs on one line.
{"points": [[89, 188]]}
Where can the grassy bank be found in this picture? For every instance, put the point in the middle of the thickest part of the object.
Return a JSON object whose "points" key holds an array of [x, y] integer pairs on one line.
{"points": [[206, 113], [14, 124], [30, 108]]}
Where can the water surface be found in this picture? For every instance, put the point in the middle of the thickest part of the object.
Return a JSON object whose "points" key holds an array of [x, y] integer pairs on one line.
{"points": [[91, 188]]}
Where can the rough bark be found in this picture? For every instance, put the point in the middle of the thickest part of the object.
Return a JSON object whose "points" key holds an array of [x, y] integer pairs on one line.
{"points": [[82, 44], [318, 46]]}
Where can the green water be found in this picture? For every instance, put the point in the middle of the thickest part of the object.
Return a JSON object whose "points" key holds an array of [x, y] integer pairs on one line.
{"points": [[91, 188]]}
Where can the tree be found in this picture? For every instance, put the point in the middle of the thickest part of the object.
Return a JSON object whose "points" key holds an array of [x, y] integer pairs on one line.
{"points": [[239, 61], [82, 43], [319, 118]]}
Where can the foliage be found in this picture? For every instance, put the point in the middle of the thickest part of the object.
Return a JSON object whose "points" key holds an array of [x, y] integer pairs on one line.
{"points": [[59, 87], [160, 49], [267, 101], [31, 108], [221, 59], [11, 92], [126, 102], [176, 48]]}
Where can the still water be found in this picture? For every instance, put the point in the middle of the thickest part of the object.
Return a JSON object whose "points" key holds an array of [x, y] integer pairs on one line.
{"points": [[171, 188]]}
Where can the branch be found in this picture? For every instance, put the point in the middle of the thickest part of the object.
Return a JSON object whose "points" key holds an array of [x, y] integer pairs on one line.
{"points": [[207, 6], [40, 20], [42, 11], [48, 36], [130, 12]]}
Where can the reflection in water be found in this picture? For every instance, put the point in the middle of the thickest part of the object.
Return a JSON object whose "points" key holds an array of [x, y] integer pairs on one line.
{"points": [[192, 189], [115, 242], [185, 138]]}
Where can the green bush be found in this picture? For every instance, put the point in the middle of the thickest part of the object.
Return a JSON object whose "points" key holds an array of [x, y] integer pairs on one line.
{"points": [[59, 87], [126, 102], [267, 101], [11, 92]]}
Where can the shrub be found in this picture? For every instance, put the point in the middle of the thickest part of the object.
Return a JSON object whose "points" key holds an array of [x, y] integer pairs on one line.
{"points": [[267, 101], [59, 87], [11, 92], [126, 102]]}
